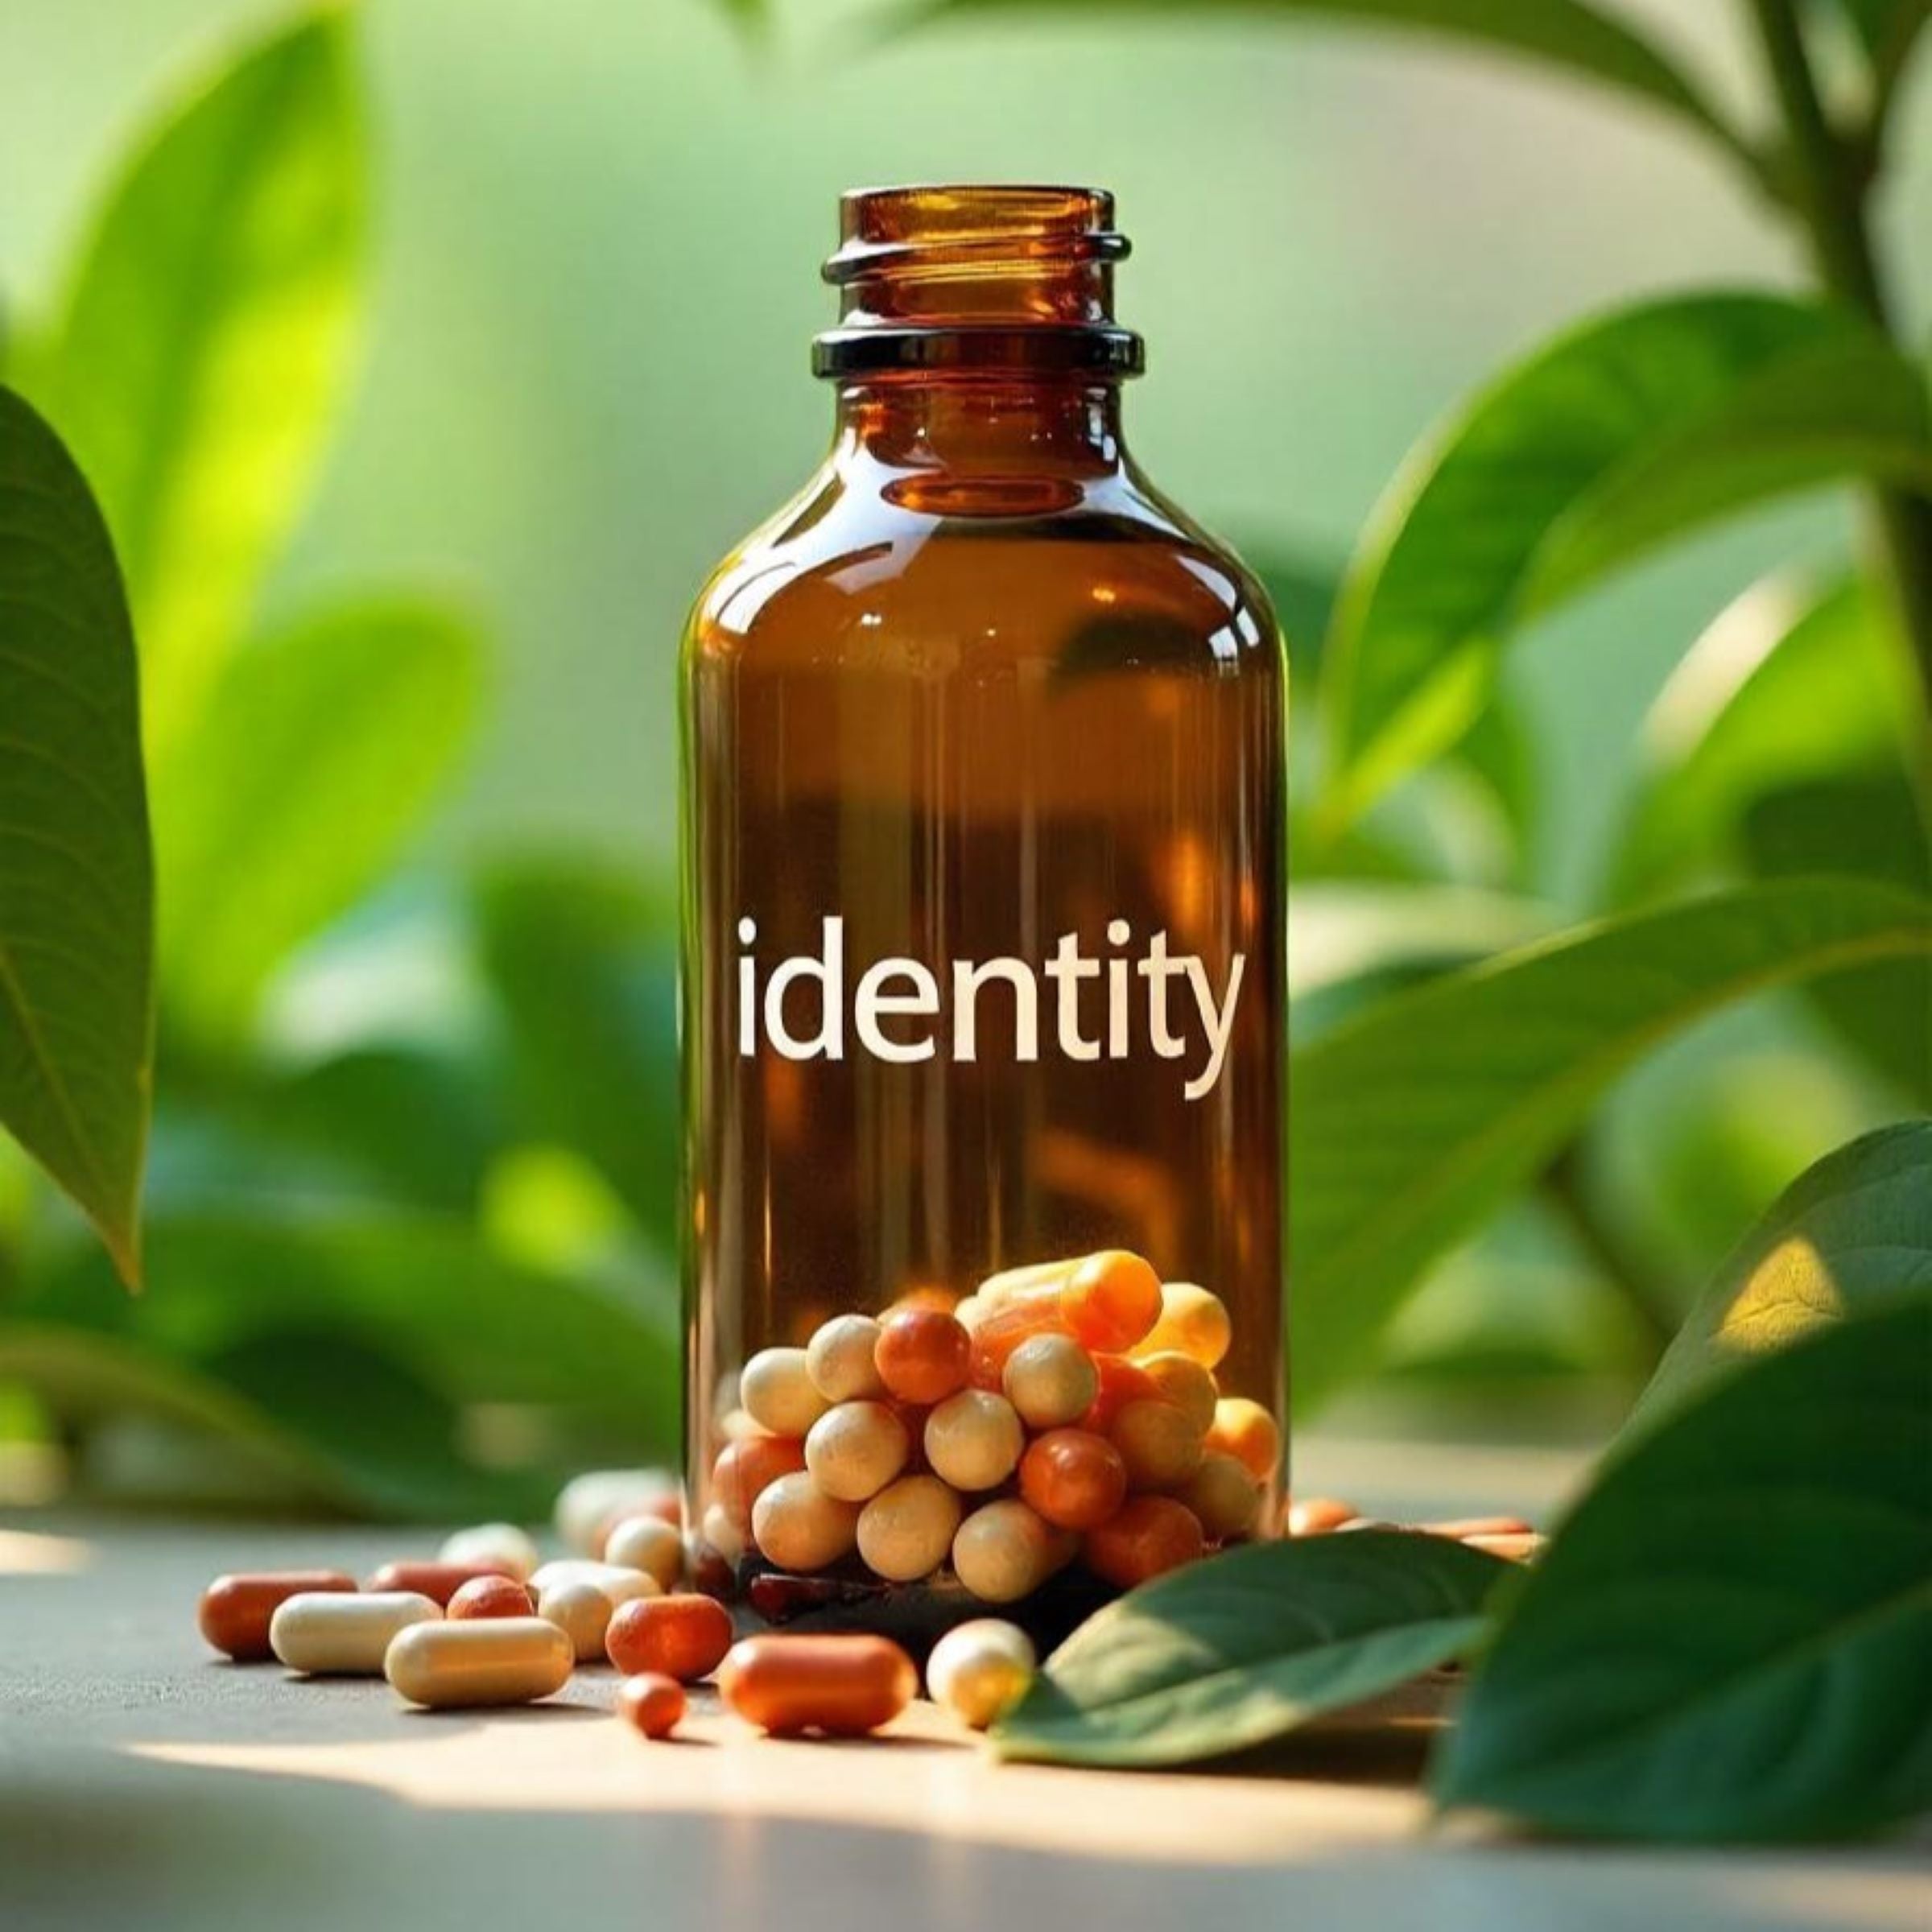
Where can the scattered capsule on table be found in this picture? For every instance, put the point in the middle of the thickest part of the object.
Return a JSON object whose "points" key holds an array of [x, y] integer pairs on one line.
{"points": [[1073, 1478], [1245, 1430], [840, 1359], [1318, 1515], [501, 1545], [1151, 1535], [1461, 1528], [1050, 1381], [1223, 1497], [437, 1581], [844, 1686], [1160, 1447], [1112, 1301], [1181, 1381], [683, 1637], [236, 1610], [855, 1449], [1193, 1322], [651, 1703], [582, 1612], [778, 1393], [618, 1581], [490, 1596], [501, 1659], [979, 1670], [923, 1355], [906, 1530], [588, 1502], [799, 1527], [745, 1470], [646, 1543], [1006, 1549], [328, 1633], [973, 1439]]}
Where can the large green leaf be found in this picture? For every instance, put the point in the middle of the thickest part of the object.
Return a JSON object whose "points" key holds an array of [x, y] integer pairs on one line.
{"points": [[311, 762], [1230, 1653], [1637, 428], [584, 959], [1412, 1122], [1850, 1234], [1574, 38], [76, 896], [198, 357], [1730, 1638]]}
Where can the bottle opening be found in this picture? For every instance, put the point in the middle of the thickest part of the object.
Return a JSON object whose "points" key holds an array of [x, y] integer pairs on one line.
{"points": [[977, 278]]}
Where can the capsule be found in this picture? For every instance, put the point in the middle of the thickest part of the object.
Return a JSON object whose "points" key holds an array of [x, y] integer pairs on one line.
{"points": [[1185, 1383], [923, 1354], [745, 1470], [1245, 1430], [236, 1609], [799, 1527], [1223, 1497], [855, 1449], [1150, 1536], [839, 1359], [904, 1532], [1318, 1515], [439, 1582], [1112, 1301], [777, 1389], [506, 1660], [490, 1596], [1193, 1322], [618, 1582], [503, 1545], [589, 1502], [327, 1633], [1460, 1529], [652, 1704], [1523, 1546], [683, 1637], [996, 1336], [1050, 1381], [979, 1670], [646, 1543], [843, 1687], [973, 1439], [1006, 1550], [1073, 1479], [1160, 1447]]}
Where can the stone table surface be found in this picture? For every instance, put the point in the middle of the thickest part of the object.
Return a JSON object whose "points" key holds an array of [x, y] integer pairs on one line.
{"points": [[145, 1783]]}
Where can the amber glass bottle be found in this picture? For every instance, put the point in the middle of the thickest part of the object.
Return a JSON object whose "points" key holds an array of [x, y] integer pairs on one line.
{"points": [[983, 876]]}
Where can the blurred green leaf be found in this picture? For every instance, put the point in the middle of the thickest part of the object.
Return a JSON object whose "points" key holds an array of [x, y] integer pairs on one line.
{"points": [[1232, 1653], [1414, 1121], [583, 957], [1730, 1637], [1851, 1233], [1577, 39], [311, 762], [1637, 428], [197, 362], [1888, 31], [76, 893]]}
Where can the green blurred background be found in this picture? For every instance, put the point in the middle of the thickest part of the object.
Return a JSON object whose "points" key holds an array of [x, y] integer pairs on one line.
{"points": [[593, 280]]}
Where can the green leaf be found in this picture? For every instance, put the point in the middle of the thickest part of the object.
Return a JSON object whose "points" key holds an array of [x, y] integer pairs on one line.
{"points": [[1230, 1653], [584, 961], [76, 894], [1852, 1233], [1413, 1122], [1576, 38], [1639, 427], [312, 761], [1730, 1638], [204, 336]]}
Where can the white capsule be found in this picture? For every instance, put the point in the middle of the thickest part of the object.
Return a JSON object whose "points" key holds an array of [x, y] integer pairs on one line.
{"points": [[582, 1612], [979, 1670], [649, 1544], [502, 1545], [778, 1391], [344, 1634], [491, 1660], [840, 1359], [973, 1439], [618, 1581]]}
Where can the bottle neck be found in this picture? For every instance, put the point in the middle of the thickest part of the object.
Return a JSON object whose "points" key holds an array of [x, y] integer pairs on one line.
{"points": [[993, 423]]}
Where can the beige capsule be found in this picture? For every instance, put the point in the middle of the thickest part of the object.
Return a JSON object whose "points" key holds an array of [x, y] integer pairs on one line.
{"points": [[1223, 1495], [777, 1390], [1159, 1444], [582, 1612], [619, 1582], [721, 1534], [503, 1545], [997, 1289], [1193, 1322], [979, 1670], [334, 1634], [1186, 1384], [1005, 1550], [586, 1503], [906, 1529], [839, 1359], [1050, 1381], [973, 1439], [649, 1544], [798, 1526], [854, 1450], [499, 1660]]}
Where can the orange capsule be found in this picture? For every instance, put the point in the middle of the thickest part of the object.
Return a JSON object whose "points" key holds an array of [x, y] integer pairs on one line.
{"points": [[1461, 1528], [1150, 1535], [922, 1355], [1245, 1430], [1073, 1479], [681, 1637], [1112, 1301], [489, 1596], [1035, 1312], [745, 1470], [1318, 1515], [438, 1582], [844, 1686], [236, 1611], [651, 1703], [1122, 1382]]}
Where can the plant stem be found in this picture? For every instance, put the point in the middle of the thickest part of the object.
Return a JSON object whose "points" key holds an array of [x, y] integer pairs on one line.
{"points": [[1567, 1191], [1829, 191]]}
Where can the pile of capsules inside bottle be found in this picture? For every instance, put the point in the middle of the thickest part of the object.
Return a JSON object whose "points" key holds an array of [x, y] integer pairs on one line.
{"points": [[1062, 1413]]}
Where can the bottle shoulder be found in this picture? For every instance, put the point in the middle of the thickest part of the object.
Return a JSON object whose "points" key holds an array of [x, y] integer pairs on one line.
{"points": [[1115, 572]]}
